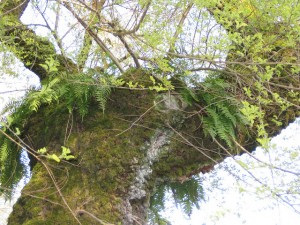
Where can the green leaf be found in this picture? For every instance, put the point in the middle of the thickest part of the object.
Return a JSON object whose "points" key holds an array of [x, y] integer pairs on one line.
{"points": [[18, 132], [42, 151], [153, 80], [65, 154], [54, 157]]}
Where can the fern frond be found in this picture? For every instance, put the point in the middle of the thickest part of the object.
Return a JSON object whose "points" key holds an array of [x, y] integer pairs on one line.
{"points": [[11, 167], [101, 95], [186, 195], [225, 110], [223, 114], [209, 127]]}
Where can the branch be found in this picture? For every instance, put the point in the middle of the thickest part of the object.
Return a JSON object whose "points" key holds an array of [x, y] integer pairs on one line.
{"points": [[53, 32], [95, 37], [137, 26], [284, 86], [5, 92], [87, 40], [178, 30], [28, 47], [135, 58], [14, 7], [82, 211]]}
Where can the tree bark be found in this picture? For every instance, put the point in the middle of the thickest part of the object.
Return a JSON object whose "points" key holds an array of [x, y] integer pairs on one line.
{"points": [[120, 157]]}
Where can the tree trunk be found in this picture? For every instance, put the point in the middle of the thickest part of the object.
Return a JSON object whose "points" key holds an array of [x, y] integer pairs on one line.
{"points": [[120, 156]]}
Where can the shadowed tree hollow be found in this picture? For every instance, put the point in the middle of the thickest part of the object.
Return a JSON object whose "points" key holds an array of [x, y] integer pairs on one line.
{"points": [[135, 94]]}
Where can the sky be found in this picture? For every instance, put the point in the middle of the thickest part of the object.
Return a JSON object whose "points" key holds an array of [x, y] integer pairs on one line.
{"points": [[230, 201]]}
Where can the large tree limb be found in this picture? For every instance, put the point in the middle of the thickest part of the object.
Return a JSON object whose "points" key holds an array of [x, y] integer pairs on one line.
{"points": [[14, 7], [31, 49]]}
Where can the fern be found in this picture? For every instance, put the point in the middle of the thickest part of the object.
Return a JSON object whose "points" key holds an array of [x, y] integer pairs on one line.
{"points": [[74, 91], [101, 95], [186, 195], [222, 112], [82, 88], [46, 95], [11, 167]]}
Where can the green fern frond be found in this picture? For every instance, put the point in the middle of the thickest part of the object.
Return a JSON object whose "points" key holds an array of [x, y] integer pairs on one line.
{"points": [[189, 96], [222, 112], [186, 195], [225, 110], [11, 167], [101, 96]]}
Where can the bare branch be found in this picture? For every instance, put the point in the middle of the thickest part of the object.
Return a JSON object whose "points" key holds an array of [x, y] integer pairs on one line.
{"points": [[179, 27], [95, 37], [135, 58], [137, 26]]}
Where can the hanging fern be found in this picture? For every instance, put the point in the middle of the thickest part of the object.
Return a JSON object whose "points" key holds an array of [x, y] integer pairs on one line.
{"points": [[74, 92], [101, 95], [220, 115], [186, 195], [222, 112], [11, 167], [82, 88]]}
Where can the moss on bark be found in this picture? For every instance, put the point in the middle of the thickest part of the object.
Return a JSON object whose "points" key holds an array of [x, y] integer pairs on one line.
{"points": [[112, 152]]}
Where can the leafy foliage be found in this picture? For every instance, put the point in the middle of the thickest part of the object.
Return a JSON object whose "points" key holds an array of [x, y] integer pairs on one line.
{"points": [[186, 195], [220, 111], [12, 168], [65, 154], [223, 115], [258, 38], [73, 92]]}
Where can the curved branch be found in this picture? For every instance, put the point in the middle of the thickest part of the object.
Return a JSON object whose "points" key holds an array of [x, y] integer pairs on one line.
{"points": [[135, 59], [137, 26], [95, 37], [28, 47], [178, 29]]}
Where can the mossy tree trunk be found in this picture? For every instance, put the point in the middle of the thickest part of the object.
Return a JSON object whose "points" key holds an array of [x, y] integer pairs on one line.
{"points": [[120, 155], [142, 138]]}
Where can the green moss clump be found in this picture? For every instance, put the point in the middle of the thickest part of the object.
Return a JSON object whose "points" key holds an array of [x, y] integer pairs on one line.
{"points": [[99, 179]]}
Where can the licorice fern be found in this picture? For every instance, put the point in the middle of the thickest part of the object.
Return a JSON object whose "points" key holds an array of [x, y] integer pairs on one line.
{"points": [[74, 92], [11, 167], [79, 90], [101, 94], [222, 112], [186, 195]]}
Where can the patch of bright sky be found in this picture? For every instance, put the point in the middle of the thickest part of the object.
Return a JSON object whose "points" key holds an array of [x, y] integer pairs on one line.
{"points": [[233, 197], [14, 87], [6, 206]]}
